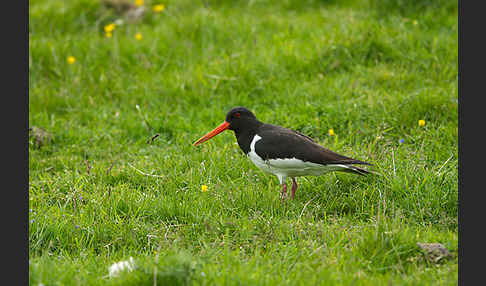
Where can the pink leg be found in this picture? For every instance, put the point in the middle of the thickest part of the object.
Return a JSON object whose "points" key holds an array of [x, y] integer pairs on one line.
{"points": [[294, 188], [283, 192]]}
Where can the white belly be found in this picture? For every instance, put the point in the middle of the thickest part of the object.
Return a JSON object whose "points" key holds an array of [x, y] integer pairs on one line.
{"points": [[290, 167]]}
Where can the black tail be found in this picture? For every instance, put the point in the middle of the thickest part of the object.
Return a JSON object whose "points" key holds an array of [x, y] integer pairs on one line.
{"points": [[356, 170]]}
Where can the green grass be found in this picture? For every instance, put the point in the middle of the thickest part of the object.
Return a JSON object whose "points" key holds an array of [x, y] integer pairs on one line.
{"points": [[367, 69]]}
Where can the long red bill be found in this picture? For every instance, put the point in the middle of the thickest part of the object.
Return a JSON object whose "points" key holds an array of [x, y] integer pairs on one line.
{"points": [[222, 127]]}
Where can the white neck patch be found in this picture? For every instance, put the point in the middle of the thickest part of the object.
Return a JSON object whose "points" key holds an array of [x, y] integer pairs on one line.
{"points": [[253, 142]]}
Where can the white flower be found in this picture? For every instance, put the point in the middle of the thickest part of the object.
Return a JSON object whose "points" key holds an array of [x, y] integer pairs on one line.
{"points": [[118, 22], [116, 268]]}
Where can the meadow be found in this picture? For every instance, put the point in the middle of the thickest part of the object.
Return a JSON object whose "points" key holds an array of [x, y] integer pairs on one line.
{"points": [[116, 101]]}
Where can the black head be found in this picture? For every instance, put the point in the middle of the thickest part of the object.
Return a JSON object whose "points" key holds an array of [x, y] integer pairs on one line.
{"points": [[238, 119], [239, 116]]}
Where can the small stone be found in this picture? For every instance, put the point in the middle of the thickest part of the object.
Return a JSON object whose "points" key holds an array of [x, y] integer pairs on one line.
{"points": [[435, 251], [40, 136]]}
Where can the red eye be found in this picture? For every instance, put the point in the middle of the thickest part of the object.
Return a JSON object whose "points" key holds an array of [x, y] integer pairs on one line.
{"points": [[237, 114]]}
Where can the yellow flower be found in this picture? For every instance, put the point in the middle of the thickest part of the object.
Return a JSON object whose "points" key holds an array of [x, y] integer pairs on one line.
{"points": [[71, 60], [109, 28], [204, 188], [331, 132], [108, 34], [415, 22], [138, 36], [138, 2], [158, 8], [421, 122]]}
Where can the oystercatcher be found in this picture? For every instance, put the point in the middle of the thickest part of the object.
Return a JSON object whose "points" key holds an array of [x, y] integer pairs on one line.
{"points": [[281, 151]]}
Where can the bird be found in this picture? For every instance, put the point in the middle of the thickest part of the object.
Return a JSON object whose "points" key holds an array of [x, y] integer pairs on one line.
{"points": [[281, 151]]}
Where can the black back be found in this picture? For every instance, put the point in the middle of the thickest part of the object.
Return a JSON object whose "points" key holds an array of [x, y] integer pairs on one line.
{"points": [[280, 143]]}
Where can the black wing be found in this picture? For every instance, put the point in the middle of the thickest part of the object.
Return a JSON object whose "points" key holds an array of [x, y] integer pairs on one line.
{"points": [[280, 142]]}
